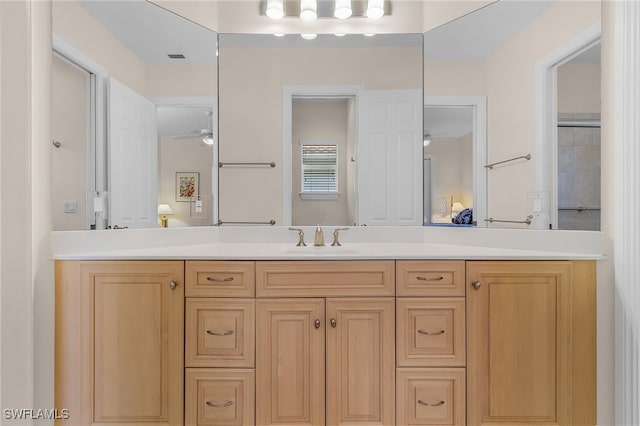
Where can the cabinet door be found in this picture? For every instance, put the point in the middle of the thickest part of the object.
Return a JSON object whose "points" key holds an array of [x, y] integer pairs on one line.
{"points": [[290, 360], [119, 342], [519, 345], [360, 361]]}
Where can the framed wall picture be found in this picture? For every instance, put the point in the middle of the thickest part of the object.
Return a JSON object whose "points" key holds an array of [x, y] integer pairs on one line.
{"points": [[187, 185]]}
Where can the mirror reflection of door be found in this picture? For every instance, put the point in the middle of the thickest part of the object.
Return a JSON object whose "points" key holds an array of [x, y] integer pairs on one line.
{"points": [[579, 142], [448, 150], [323, 166]]}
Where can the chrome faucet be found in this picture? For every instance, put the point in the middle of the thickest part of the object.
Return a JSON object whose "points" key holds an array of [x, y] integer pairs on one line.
{"points": [[319, 239], [300, 236]]}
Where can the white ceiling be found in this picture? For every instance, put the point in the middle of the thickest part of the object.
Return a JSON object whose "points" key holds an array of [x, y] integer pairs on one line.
{"points": [[477, 35], [448, 122], [181, 120], [152, 32]]}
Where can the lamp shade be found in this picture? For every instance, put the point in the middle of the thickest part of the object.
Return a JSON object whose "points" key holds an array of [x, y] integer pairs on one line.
{"points": [[164, 209]]}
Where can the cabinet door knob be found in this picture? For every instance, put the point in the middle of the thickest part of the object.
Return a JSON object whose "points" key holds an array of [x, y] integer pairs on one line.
{"points": [[173, 285], [432, 404], [317, 323], [476, 285], [333, 322]]}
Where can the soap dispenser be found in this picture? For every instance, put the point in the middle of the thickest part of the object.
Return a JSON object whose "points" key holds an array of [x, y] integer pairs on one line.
{"points": [[319, 239]]}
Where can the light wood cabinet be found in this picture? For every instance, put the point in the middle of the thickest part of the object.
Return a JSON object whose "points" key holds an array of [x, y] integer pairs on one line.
{"points": [[220, 332], [220, 278], [531, 344], [296, 339], [119, 342], [219, 397], [360, 361], [290, 362], [431, 396]]}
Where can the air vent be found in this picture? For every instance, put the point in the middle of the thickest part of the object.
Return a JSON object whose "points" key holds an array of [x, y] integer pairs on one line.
{"points": [[176, 55]]}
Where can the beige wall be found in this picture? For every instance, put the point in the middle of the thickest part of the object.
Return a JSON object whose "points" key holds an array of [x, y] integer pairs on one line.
{"points": [[507, 80], [69, 127], [78, 28], [323, 121], [579, 88], [184, 155], [511, 102], [251, 82]]}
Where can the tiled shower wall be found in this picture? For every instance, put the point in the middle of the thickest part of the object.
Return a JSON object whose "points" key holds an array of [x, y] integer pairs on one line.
{"points": [[579, 174]]}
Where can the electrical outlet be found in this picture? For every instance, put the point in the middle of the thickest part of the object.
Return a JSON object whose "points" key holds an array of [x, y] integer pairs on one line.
{"points": [[443, 206]]}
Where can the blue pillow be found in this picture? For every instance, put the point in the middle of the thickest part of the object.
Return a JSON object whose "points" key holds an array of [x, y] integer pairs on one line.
{"points": [[465, 217]]}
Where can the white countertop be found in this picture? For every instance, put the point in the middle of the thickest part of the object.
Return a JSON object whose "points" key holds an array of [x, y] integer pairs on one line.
{"points": [[371, 243]]}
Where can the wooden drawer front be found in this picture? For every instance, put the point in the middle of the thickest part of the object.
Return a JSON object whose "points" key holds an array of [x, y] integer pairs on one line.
{"points": [[430, 278], [219, 397], [325, 278], [220, 333], [430, 332], [220, 279], [430, 396]]}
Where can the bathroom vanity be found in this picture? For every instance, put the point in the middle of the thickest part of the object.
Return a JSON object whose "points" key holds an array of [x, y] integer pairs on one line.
{"points": [[280, 338]]}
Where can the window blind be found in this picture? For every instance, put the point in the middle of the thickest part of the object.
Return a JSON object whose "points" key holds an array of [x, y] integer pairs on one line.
{"points": [[319, 168]]}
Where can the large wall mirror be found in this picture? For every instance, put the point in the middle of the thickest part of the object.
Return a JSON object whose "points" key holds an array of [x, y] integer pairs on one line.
{"points": [[512, 116], [134, 117], [321, 129]]}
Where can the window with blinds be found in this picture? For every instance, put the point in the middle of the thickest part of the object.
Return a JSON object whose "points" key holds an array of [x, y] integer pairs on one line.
{"points": [[319, 169]]}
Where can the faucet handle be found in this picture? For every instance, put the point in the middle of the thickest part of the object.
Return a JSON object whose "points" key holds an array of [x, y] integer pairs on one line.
{"points": [[300, 235], [336, 234]]}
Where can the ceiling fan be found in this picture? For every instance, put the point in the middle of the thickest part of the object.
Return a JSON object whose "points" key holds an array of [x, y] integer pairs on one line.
{"points": [[205, 134]]}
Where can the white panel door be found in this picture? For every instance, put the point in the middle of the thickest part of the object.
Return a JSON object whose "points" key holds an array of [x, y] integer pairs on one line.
{"points": [[133, 158], [390, 152]]}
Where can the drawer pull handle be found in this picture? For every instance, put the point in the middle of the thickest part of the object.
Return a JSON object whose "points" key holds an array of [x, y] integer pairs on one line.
{"points": [[224, 333], [431, 333], [220, 280], [226, 404], [426, 404], [421, 278]]}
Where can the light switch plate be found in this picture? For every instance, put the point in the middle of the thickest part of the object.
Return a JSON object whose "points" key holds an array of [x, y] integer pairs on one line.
{"points": [[71, 207]]}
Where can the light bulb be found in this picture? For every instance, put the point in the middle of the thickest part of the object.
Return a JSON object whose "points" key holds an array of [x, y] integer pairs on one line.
{"points": [[375, 9], [275, 9], [308, 36], [343, 9], [340, 34], [279, 35], [308, 10]]}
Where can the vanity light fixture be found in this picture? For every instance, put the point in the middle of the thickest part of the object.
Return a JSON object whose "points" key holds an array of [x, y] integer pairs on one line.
{"points": [[340, 34], [427, 139], [375, 9], [207, 139], [275, 9], [343, 9], [163, 211], [279, 35], [308, 36], [368, 34], [308, 10]]}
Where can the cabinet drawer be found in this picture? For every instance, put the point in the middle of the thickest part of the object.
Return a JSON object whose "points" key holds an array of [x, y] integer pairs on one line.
{"points": [[220, 279], [325, 278], [430, 278], [430, 332], [430, 396], [218, 397], [220, 333]]}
